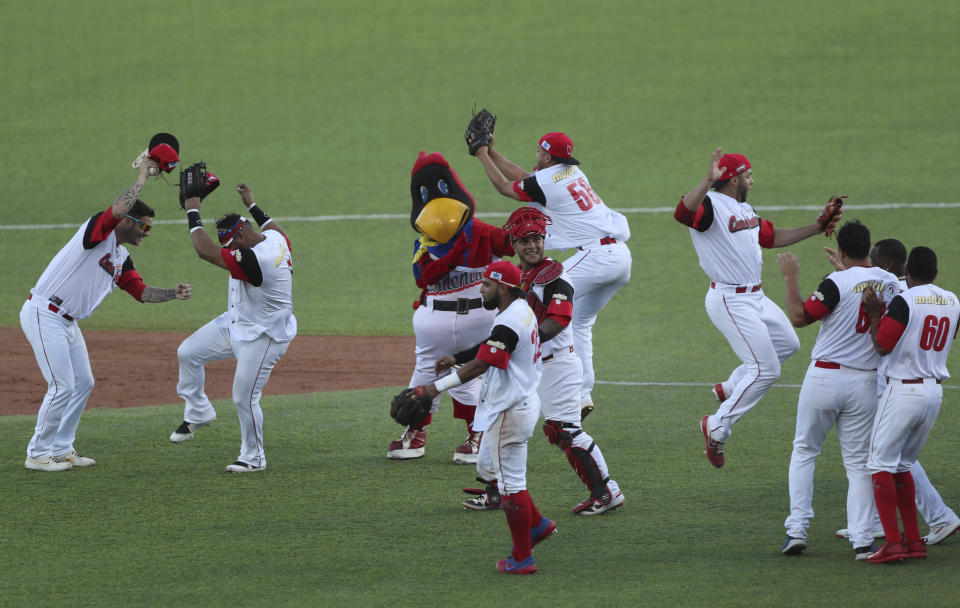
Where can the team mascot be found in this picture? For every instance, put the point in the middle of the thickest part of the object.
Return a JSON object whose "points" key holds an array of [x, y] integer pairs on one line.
{"points": [[449, 258]]}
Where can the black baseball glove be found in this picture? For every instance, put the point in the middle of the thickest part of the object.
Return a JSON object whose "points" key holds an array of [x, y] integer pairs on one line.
{"points": [[196, 181], [411, 406], [479, 130]]}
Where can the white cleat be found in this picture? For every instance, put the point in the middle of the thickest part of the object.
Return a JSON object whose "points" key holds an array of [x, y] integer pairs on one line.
{"points": [[46, 463], [75, 459]]}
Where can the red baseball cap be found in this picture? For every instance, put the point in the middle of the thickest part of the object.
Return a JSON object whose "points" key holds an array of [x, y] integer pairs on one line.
{"points": [[503, 272], [732, 165], [559, 146]]}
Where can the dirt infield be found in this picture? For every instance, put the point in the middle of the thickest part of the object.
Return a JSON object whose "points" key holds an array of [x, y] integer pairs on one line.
{"points": [[140, 368]]}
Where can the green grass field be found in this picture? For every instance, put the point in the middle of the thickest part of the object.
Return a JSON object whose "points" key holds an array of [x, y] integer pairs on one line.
{"points": [[322, 107]]}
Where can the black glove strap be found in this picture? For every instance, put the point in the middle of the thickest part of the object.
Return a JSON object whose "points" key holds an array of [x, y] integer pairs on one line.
{"points": [[193, 219]]}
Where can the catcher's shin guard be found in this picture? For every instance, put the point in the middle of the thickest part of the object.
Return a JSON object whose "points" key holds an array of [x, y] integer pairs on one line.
{"points": [[589, 471], [561, 434]]}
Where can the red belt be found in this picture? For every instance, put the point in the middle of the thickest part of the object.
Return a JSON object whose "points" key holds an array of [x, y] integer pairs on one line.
{"points": [[607, 240], [550, 356], [912, 380], [55, 309], [827, 365], [742, 288]]}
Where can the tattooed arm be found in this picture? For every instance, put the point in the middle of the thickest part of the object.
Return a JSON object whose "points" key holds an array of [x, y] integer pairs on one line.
{"points": [[128, 197], [157, 294]]}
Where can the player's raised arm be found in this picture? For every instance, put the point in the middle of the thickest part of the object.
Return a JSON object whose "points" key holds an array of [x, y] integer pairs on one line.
{"points": [[202, 243], [263, 220], [126, 199], [692, 199], [503, 185], [510, 169]]}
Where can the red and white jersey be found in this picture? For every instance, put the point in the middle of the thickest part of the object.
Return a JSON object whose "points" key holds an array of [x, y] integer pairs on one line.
{"points": [[579, 217], [918, 330], [260, 290], [837, 303], [882, 370], [513, 352], [550, 295], [727, 235], [88, 268]]}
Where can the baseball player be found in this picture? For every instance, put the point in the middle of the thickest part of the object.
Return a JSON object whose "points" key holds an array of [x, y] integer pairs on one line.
{"points": [[839, 387], [891, 255], [580, 220], [551, 296], [728, 236], [90, 266], [448, 316], [256, 329], [916, 333], [509, 407]]}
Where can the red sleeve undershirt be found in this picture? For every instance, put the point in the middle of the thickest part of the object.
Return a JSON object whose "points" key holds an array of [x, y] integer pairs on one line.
{"points": [[889, 332], [131, 282], [766, 234], [232, 265], [496, 357]]}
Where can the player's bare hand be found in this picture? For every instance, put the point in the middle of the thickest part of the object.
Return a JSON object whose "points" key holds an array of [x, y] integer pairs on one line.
{"points": [[443, 363], [246, 195], [715, 172], [192, 203], [148, 167], [184, 291], [789, 264], [834, 256], [872, 304]]}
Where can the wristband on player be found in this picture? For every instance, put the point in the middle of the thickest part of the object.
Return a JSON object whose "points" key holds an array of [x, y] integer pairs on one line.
{"points": [[448, 381], [193, 220], [259, 216]]}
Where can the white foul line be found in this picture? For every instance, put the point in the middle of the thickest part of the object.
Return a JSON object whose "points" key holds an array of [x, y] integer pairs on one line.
{"points": [[626, 383]]}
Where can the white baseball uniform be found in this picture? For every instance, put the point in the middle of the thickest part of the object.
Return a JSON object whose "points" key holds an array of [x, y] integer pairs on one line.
{"points": [[727, 236], [839, 389], [918, 329], [602, 263], [256, 330], [74, 283], [509, 405]]}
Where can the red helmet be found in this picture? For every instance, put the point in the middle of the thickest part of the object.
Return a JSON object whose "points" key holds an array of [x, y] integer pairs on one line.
{"points": [[526, 221]]}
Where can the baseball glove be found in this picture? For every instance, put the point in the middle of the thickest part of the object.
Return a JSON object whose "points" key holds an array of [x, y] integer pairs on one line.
{"points": [[196, 181], [411, 406], [831, 214], [479, 130]]}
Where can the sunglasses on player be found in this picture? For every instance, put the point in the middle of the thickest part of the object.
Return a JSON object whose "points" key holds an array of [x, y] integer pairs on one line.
{"points": [[143, 226]]}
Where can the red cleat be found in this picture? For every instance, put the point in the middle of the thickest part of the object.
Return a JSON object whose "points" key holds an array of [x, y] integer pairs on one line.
{"points": [[714, 449], [889, 552]]}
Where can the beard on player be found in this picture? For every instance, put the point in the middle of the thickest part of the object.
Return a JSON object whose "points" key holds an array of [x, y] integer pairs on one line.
{"points": [[491, 301]]}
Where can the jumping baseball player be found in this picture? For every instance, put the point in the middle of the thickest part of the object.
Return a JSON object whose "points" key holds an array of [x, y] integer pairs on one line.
{"points": [[256, 329], [90, 266], [580, 220], [839, 387], [550, 294], [916, 333], [509, 360], [891, 255], [728, 236], [451, 253]]}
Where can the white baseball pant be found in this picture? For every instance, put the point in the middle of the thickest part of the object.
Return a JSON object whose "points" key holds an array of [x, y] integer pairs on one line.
{"points": [[597, 274], [255, 360], [61, 354], [905, 417], [845, 397], [503, 451], [761, 336]]}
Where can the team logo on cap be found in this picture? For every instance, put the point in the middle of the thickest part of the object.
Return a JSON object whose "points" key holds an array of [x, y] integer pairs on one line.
{"points": [[496, 276], [545, 145]]}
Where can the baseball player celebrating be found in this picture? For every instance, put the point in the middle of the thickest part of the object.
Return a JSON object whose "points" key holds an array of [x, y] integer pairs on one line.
{"points": [[580, 220], [916, 334], [509, 406], [551, 296], [891, 255], [839, 387], [728, 235], [256, 330], [90, 266]]}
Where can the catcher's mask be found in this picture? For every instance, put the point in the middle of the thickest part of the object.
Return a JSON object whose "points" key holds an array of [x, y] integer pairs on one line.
{"points": [[526, 221]]}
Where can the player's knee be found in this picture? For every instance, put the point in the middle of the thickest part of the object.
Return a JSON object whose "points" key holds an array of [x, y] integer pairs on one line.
{"points": [[561, 434], [83, 384], [768, 372]]}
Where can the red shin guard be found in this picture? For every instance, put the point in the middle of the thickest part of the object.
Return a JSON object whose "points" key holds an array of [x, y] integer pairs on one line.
{"points": [[885, 495], [517, 509], [906, 501]]}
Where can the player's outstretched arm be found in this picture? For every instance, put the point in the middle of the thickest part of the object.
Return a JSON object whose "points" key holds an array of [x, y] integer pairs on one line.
{"points": [[503, 185], [694, 198], [784, 237], [470, 370], [182, 291], [202, 243], [790, 268], [263, 220], [126, 199], [510, 169]]}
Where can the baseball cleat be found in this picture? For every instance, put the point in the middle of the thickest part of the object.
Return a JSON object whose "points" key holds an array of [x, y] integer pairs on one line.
{"points": [[915, 549], [467, 453], [75, 459], [889, 552], [718, 392], [482, 503], [714, 449], [544, 530], [585, 408], [862, 553], [242, 467], [793, 546], [412, 444], [186, 429], [512, 566], [845, 533], [592, 506], [938, 533], [46, 463]]}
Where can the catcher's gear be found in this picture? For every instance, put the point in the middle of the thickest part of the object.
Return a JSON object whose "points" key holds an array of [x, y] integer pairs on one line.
{"points": [[526, 221], [479, 130], [561, 434], [588, 470], [196, 181], [411, 406], [831, 214]]}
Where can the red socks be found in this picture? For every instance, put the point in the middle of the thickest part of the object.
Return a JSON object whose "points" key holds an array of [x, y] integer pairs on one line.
{"points": [[906, 501], [517, 508], [885, 495], [464, 411]]}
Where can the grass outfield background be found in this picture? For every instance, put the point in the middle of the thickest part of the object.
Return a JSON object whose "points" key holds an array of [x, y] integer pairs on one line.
{"points": [[322, 108]]}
